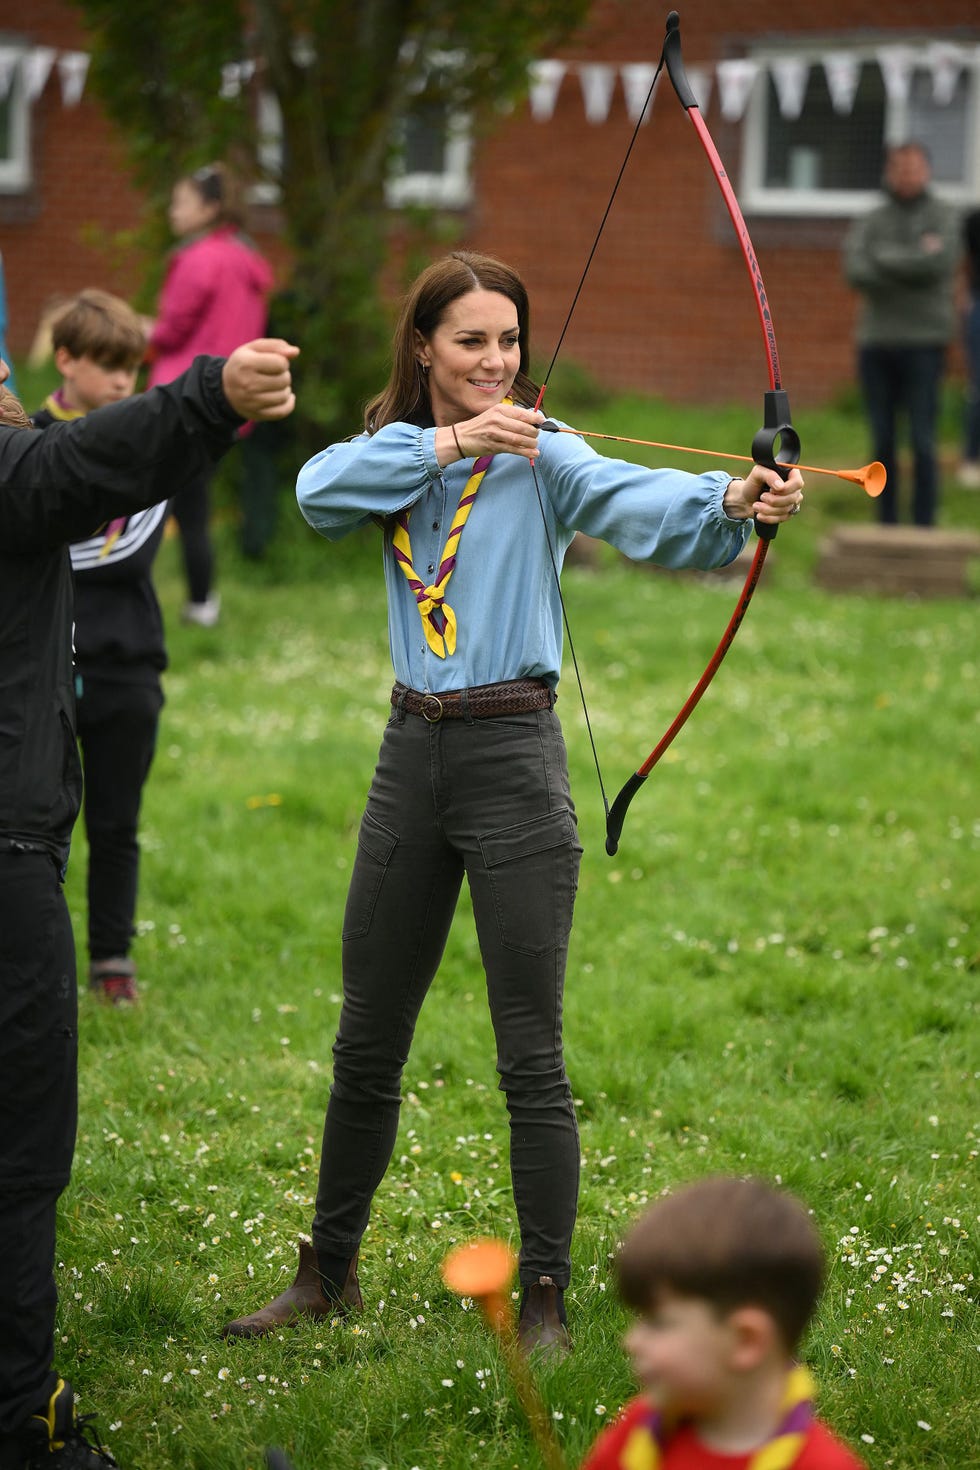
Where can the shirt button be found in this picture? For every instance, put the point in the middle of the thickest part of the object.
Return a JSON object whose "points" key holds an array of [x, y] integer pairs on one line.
{"points": [[431, 568], [435, 525]]}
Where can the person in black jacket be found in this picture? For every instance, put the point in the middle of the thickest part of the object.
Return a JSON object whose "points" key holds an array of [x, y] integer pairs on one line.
{"points": [[120, 654], [58, 485]]}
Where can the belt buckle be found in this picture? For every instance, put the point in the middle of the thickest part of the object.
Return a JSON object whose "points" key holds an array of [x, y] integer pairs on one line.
{"points": [[429, 700]]}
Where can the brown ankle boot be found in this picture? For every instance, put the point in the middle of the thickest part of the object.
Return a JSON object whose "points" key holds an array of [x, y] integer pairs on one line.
{"points": [[305, 1298], [541, 1326]]}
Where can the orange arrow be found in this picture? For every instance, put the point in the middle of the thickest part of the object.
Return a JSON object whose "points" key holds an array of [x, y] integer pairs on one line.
{"points": [[871, 477]]}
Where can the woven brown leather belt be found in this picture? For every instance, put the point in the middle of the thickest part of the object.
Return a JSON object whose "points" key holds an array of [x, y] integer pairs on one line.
{"points": [[483, 702]]}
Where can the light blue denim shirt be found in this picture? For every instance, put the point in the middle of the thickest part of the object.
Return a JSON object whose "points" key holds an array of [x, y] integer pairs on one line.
{"points": [[503, 590]]}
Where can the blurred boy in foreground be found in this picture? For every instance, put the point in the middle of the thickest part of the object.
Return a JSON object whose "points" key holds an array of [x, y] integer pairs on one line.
{"points": [[724, 1276]]}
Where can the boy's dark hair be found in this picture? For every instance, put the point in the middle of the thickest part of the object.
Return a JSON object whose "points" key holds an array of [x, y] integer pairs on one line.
{"points": [[102, 327], [732, 1243]]}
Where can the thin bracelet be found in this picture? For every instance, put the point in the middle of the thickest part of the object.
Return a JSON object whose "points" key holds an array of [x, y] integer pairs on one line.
{"points": [[458, 445]]}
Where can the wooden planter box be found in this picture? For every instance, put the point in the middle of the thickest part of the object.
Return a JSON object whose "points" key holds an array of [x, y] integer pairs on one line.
{"points": [[898, 560]]}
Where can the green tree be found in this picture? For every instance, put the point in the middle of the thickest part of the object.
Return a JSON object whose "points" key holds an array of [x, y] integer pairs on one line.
{"points": [[345, 77]]}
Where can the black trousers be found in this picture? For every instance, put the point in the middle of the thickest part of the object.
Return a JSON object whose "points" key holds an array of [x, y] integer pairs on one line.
{"points": [[488, 799], [191, 509], [38, 1117], [260, 476], [904, 381], [117, 731]]}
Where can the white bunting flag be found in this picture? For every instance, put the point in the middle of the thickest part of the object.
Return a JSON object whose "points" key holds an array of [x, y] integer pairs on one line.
{"points": [[897, 64], [843, 72], [37, 68], [72, 71], [790, 75], [597, 79], [546, 79], [736, 79], [946, 61], [637, 79]]}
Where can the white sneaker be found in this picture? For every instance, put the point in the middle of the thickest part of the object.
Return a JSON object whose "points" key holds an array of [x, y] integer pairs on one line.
{"points": [[968, 474], [204, 614]]}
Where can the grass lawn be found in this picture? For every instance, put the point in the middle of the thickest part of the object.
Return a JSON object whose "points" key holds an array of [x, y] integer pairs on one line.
{"points": [[777, 974]]}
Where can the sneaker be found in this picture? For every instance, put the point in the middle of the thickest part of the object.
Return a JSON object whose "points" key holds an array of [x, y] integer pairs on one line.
{"points": [[114, 981], [204, 614], [57, 1440]]}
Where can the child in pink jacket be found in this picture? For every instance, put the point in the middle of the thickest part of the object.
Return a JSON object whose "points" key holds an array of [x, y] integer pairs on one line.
{"points": [[214, 298]]}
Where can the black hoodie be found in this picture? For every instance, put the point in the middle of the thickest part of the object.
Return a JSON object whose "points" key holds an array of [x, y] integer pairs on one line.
{"points": [[58, 485]]}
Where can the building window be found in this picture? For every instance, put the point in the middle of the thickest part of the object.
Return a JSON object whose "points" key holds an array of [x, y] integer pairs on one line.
{"points": [[433, 161], [827, 160], [15, 132]]}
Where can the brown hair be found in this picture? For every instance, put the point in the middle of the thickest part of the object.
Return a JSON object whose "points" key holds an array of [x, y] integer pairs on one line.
{"points": [[439, 285], [216, 184], [12, 412], [100, 326], [732, 1243]]}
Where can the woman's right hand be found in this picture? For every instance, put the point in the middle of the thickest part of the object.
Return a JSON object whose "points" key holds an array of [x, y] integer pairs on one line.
{"points": [[502, 429]]}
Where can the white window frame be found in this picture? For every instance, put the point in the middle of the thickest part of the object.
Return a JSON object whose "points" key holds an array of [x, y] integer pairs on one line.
{"points": [[759, 199], [15, 167], [451, 187]]}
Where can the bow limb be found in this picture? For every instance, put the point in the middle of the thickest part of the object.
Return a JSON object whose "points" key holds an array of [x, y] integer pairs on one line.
{"points": [[776, 434]]}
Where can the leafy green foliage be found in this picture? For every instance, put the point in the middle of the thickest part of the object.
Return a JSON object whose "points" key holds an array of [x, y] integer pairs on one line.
{"points": [[343, 76]]}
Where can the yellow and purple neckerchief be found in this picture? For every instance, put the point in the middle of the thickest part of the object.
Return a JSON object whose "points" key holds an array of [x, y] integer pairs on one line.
{"points": [[438, 618], [56, 406], [644, 1449]]}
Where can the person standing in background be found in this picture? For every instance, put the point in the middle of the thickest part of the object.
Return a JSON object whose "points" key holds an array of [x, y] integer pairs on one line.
{"points": [[902, 260], [969, 472], [214, 298], [119, 642]]}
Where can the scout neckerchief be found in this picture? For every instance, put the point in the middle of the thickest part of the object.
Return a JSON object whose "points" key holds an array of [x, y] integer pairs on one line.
{"points": [[438, 618], [56, 406], [644, 1448]]}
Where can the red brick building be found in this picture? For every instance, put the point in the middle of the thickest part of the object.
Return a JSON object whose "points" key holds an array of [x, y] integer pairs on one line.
{"points": [[799, 100]]}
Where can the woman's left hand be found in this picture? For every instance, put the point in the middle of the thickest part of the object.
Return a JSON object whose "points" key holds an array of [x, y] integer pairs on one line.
{"points": [[763, 493]]}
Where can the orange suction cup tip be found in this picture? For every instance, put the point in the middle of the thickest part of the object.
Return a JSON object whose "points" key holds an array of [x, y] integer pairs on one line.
{"points": [[479, 1268], [871, 477]]}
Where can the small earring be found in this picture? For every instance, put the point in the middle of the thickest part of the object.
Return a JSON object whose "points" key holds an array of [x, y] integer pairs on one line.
{"points": [[424, 366]]}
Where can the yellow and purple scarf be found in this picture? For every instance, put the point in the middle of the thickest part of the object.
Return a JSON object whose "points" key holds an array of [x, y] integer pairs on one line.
{"points": [[56, 406], [438, 618], [644, 1448]]}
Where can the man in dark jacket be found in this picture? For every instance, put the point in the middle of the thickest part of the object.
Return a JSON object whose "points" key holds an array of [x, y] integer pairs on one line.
{"points": [[58, 485], [902, 259]]}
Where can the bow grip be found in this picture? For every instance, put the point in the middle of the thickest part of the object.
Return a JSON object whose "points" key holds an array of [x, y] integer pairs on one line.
{"points": [[777, 431]]}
